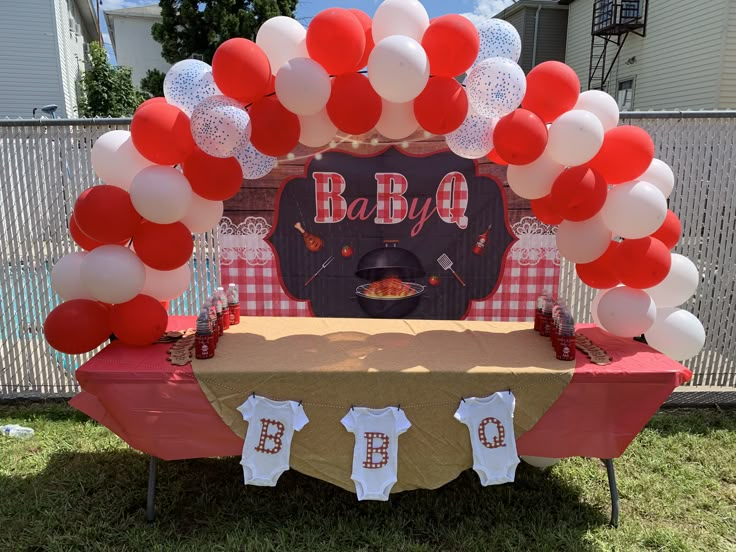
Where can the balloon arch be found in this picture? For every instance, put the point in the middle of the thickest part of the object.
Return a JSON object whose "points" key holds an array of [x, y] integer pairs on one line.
{"points": [[188, 152]]}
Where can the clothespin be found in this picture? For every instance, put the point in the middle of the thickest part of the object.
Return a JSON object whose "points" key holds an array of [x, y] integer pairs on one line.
{"points": [[253, 394], [462, 399], [399, 407], [352, 407], [300, 402]]}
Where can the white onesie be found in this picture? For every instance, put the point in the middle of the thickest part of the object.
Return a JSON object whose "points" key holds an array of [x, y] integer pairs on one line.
{"points": [[267, 446], [375, 458], [490, 421]]}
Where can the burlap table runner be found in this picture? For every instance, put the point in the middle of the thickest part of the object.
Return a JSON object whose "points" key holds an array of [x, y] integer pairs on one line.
{"points": [[424, 366]]}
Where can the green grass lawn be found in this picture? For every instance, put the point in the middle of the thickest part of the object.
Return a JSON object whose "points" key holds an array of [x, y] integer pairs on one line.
{"points": [[76, 486]]}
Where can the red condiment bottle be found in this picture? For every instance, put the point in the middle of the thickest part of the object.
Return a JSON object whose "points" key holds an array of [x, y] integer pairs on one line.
{"points": [[481, 242]]}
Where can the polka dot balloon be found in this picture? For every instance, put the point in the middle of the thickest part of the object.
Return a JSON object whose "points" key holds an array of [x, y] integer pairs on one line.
{"points": [[474, 138], [495, 87], [188, 83], [498, 38], [220, 126], [255, 165]]}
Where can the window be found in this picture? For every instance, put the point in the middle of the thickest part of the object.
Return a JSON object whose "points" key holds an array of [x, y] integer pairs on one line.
{"points": [[625, 96]]}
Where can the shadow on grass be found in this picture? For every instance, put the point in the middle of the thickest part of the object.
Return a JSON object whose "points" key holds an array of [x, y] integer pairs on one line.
{"points": [[97, 500]]}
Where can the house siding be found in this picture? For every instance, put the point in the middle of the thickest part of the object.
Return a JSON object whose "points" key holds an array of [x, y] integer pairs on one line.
{"points": [[71, 53], [727, 98], [551, 34], [136, 48], [30, 73], [677, 64]]}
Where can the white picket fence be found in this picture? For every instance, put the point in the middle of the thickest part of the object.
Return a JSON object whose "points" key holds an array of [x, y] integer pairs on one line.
{"points": [[44, 166]]}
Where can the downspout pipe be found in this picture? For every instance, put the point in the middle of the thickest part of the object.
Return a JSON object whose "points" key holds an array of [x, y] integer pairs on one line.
{"points": [[536, 30]]}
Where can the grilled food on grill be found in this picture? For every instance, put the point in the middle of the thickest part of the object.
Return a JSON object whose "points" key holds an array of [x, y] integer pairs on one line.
{"points": [[389, 287]]}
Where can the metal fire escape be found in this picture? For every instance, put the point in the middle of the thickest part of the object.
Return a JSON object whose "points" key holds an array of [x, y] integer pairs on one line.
{"points": [[613, 21]]}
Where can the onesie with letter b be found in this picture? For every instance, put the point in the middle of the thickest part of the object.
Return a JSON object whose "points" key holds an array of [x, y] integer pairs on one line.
{"points": [[375, 457], [490, 421], [267, 446]]}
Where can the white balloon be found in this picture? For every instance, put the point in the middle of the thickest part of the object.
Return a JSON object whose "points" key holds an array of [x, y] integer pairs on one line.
{"points": [[634, 210], [626, 312], [678, 286], [594, 307], [474, 138], [495, 87], [660, 174], [189, 82], [600, 104], [540, 462], [398, 68], [583, 242], [316, 130], [303, 86], [115, 159], [498, 38], [676, 333], [161, 194], [282, 39], [400, 17], [575, 138], [165, 285], [397, 120], [66, 279], [220, 126], [112, 274], [535, 179], [203, 215], [254, 164]]}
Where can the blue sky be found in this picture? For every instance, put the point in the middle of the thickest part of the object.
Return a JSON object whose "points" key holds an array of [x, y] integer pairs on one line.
{"points": [[308, 8]]}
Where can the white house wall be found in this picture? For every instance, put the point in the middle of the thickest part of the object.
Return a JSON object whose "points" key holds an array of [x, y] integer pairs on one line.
{"points": [[677, 65], [136, 48], [728, 75], [71, 52], [29, 64]]}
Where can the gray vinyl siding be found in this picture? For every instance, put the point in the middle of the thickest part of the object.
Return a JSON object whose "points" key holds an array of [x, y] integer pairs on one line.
{"points": [[728, 73], [677, 65], [30, 74], [551, 34]]}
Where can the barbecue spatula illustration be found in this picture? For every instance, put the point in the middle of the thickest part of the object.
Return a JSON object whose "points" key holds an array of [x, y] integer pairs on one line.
{"points": [[446, 264]]}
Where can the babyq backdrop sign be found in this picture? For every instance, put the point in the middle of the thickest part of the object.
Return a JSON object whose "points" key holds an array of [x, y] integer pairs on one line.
{"points": [[391, 235]]}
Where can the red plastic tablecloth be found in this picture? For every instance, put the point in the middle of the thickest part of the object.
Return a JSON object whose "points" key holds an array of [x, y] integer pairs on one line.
{"points": [[160, 409]]}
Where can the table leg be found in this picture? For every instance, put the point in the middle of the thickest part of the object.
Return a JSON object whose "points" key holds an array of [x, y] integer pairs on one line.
{"points": [[150, 501], [614, 491]]}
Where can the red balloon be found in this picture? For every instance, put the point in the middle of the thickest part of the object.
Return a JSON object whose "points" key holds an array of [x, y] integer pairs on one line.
{"points": [[601, 273], [163, 246], [77, 326], [336, 40], [452, 44], [106, 214], [271, 88], [367, 24], [626, 153], [552, 88], [213, 178], [495, 158], [241, 70], [141, 321], [671, 230], [520, 137], [354, 106], [83, 240], [642, 263], [545, 211], [161, 133], [150, 101], [275, 129], [442, 106], [579, 193], [165, 305]]}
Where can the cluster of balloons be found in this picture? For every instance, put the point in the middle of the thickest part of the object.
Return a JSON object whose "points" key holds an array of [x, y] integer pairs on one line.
{"points": [[602, 185]]}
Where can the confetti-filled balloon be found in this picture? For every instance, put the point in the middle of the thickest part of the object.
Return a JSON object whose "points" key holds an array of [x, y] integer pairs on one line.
{"points": [[220, 126], [188, 83], [498, 38], [255, 165], [496, 87], [474, 138]]}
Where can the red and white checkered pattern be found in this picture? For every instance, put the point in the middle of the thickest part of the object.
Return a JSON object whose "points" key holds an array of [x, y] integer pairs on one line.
{"points": [[328, 189], [452, 199], [392, 207]]}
